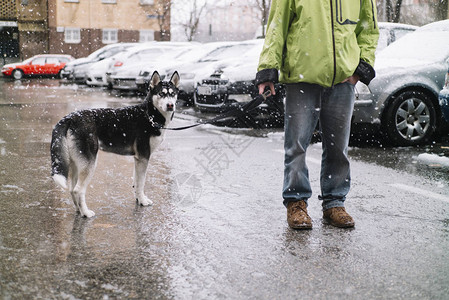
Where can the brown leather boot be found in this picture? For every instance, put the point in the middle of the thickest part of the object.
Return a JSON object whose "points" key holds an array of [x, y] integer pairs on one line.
{"points": [[297, 217], [338, 217]]}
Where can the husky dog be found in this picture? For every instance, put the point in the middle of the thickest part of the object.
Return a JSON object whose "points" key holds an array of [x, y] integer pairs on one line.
{"points": [[133, 130]]}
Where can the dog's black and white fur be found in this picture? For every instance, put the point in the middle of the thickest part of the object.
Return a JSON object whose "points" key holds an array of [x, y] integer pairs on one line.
{"points": [[133, 130]]}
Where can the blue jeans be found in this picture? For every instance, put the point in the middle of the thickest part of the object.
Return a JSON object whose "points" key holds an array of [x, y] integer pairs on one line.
{"points": [[305, 105]]}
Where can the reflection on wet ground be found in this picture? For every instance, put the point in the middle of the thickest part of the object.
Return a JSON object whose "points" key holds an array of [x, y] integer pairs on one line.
{"points": [[217, 228]]}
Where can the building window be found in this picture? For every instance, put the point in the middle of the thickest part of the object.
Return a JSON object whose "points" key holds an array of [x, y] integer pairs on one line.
{"points": [[110, 36], [146, 2], [75, 1], [146, 36], [72, 35], [109, 1]]}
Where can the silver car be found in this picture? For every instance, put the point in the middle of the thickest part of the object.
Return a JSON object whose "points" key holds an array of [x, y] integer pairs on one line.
{"points": [[123, 73], [403, 98], [76, 70]]}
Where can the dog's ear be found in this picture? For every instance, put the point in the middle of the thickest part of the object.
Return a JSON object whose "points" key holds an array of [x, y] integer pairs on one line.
{"points": [[155, 79], [175, 78]]}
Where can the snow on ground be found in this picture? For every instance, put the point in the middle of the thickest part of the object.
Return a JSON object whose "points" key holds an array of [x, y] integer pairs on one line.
{"points": [[433, 159]]}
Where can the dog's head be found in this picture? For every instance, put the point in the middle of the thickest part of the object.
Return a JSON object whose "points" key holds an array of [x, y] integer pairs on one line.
{"points": [[164, 93]]}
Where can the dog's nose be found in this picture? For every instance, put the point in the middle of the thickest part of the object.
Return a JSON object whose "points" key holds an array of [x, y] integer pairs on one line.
{"points": [[170, 106]]}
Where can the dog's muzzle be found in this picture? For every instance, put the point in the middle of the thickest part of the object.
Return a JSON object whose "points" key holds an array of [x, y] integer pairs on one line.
{"points": [[170, 107]]}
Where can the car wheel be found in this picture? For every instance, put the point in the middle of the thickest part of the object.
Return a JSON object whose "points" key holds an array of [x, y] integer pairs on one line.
{"points": [[17, 74], [410, 119]]}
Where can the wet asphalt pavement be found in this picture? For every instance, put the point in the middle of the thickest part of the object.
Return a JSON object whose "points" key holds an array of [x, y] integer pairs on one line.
{"points": [[217, 229]]}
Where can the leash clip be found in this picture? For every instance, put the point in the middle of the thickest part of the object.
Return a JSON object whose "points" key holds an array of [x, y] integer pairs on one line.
{"points": [[266, 94]]}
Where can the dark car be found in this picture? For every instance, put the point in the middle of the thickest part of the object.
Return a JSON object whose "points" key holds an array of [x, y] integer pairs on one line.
{"points": [[43, 64], [220, 93]]}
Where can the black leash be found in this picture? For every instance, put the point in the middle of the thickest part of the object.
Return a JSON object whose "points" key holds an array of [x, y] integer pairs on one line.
{"points": [[237, 112]]}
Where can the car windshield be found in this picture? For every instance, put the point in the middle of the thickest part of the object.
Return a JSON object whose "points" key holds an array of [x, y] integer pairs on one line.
{"points": [[227, 52], [26, 61], [153, 54], [426, 46], [190, 53], [100, 52], [145, 54]]}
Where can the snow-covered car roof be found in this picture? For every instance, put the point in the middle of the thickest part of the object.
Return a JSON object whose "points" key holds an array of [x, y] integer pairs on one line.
{"points": [[191, 55], [436, 26], [151, 54], [104, 49], [397, 25], [225, 54], [419, 47]]}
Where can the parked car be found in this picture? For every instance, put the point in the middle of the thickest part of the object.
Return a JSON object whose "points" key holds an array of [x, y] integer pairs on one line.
{"points": [[231, 82], [76, 70], [123, 73], [43, 64], [96, 73], [402, 100], [444, 96], [390, 32], [183, 64]]}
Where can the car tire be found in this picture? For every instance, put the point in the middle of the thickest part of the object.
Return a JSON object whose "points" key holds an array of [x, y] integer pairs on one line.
{"points": [[17, 74], [410, 119]]}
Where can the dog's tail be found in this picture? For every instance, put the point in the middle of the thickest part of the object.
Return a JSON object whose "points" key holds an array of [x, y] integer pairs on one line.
{"points": [[60, 159]]}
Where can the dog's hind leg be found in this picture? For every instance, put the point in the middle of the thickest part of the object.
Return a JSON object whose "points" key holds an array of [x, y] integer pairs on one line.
{"points": [[73, 179], [140, 172], [85, 174]]}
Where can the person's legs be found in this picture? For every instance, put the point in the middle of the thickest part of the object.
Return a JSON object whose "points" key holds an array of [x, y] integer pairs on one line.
{"points": [[302, 109], [335, 123]]}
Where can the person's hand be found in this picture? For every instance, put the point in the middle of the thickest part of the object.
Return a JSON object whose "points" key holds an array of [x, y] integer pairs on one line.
{"points": [[352, 79], [263, 85]]}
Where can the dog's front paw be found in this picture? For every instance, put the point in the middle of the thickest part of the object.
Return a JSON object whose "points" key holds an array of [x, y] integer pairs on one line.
{"points": [[87, 213], [144, 201]]}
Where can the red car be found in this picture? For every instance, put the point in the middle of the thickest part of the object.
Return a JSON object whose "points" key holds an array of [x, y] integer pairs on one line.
{"points": [[43, 64]]}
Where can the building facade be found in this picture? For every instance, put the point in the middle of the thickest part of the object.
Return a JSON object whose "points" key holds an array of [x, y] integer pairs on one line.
{"points": [[239, 21], [79, 27], [23, 28]]}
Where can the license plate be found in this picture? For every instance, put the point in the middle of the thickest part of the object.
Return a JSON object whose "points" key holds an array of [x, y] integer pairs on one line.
{"points": [[204, 90]]}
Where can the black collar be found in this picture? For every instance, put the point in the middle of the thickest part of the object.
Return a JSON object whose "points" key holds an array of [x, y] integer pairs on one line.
{"points": [[154, 116]]}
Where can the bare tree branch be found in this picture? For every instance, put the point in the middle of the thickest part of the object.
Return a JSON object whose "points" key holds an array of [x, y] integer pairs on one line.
{"points": [[163, 20], [191, 26], [264, 7]]}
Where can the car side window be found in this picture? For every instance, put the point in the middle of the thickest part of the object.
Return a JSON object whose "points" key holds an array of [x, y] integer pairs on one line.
{"points": [[38, 61], [63, 60], [52, 60], [398, 33]]}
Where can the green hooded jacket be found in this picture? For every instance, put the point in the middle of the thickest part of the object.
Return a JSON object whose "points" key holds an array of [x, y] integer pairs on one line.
{"points": [[319, 41]]}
